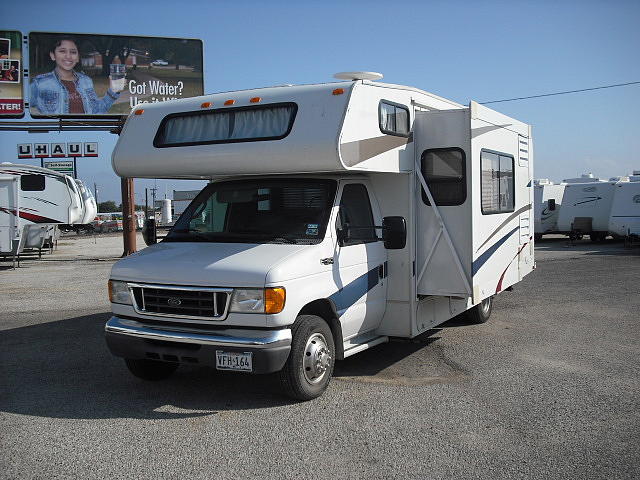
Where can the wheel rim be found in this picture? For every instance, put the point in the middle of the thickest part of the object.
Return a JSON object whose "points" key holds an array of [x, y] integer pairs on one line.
{"points": [[317, 358], [485, 306]]}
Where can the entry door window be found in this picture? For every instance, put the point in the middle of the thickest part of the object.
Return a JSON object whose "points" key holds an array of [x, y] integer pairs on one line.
{"points": [[356, 214]]}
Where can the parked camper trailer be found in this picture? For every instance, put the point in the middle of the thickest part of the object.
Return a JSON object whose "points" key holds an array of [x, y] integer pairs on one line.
{"points": [[90, 208], [625, 209], [546, 205], [343, 214], [32, 197], [586, 207]]}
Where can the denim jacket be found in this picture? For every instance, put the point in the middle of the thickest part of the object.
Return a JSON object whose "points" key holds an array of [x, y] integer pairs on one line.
{"points": [[50, 97]]}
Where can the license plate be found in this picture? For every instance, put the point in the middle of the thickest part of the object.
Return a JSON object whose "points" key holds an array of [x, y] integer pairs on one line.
{"points": [[234, 361]]}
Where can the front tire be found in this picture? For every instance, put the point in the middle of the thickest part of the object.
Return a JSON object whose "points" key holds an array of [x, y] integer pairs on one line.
{"points": [[481, 312], [308, 370], [150, 369]]}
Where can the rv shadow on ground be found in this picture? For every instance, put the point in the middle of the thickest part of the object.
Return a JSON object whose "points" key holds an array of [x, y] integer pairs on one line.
{"points": [[63, 369], [607, 247]]}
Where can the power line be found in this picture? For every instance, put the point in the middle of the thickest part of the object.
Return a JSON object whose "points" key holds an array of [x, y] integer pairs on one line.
{"points": [[561, 93]]}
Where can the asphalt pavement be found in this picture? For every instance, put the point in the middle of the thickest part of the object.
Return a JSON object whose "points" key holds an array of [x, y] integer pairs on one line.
{"points": [[548, 388]]}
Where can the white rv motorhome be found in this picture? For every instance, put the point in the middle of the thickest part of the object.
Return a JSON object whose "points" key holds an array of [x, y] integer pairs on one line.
{"points": [[586, 206], [30, 199], [625, 209], [546, 206], [339, 215]]}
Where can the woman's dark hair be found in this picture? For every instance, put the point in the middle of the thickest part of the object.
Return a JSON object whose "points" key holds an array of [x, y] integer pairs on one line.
{"points": [[59, 41]]}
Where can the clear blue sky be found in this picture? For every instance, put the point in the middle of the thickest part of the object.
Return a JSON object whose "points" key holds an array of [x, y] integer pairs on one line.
{"points": [[459, 50]]}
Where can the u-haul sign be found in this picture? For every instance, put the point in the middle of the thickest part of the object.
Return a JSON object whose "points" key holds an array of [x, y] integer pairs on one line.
{"points": [[58, 150]]}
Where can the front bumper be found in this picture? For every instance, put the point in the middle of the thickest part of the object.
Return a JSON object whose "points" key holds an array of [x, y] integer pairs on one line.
{"points": [[129, 338]]}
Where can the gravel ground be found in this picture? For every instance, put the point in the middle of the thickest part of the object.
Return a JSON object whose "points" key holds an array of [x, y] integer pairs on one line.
{"points": [[547, 389]]}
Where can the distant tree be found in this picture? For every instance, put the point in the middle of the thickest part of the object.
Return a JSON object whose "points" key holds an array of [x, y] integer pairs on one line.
{"points": [[137, 208], [108, 206]]}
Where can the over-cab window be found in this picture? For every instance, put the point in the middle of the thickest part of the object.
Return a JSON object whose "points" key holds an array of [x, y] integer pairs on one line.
{"points": [[497, 182], [444, 171], [227, 125], [32, 183], [394, 119]]}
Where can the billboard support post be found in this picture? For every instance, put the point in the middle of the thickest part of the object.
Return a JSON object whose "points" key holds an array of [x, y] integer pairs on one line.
{"points": [[128, 216]]}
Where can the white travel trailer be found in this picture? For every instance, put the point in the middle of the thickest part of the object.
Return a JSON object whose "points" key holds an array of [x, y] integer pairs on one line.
{"points": [[278, 264], [546, 206], [586, 206], [30, 199], [625, 209], [89, 206]]}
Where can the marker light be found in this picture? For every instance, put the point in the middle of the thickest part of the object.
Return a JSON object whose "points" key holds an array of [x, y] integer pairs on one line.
{"points": [[229, 102], [206, 104], [139, 111], [255, 100], [274, 298], [338, 91]]}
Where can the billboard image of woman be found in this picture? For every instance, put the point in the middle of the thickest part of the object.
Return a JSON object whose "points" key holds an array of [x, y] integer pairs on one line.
{"points": [[84, 74], [64, 90]]}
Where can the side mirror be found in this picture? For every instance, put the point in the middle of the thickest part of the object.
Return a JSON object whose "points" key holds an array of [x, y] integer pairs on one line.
{"points": [[552, 204], [394, 232], [149, 233]]}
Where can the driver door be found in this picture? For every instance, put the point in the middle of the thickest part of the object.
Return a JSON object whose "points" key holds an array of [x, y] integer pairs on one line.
{"points": [[360, 266]]}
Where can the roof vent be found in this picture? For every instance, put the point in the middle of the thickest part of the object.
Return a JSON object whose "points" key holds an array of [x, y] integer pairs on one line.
{"points": [[358, 76]]}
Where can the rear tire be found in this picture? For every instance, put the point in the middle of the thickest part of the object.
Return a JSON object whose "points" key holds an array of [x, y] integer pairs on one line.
{"points": [[150, 369], [308, 370], [481, 312]]}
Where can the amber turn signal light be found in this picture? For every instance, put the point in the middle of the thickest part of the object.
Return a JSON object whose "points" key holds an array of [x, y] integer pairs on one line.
{"points": [[255, 100], [139, 111], [229, 102], [338, 91], [274, 299], [206, 104]]}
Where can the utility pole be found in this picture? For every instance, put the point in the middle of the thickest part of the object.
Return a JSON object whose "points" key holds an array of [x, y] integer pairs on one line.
{"points": [[128, 216], [153, 198]]}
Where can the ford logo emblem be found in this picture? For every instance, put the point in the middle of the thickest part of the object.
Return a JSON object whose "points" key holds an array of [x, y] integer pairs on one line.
{"points": [[174, 302]]}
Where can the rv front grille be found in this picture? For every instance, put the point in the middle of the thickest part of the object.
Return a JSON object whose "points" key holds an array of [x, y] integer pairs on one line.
{"points": [[198, 303]]}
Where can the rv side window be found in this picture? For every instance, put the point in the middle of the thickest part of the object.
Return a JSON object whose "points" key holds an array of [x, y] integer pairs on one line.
{"points": [[226, 125], [355, 212], [394, 119], [32, 183], [444, 171], [497, 182]]}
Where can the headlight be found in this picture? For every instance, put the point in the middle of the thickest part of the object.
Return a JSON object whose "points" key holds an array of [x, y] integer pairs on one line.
{"points": [[253, 300], [245, 300], [119, 292]]}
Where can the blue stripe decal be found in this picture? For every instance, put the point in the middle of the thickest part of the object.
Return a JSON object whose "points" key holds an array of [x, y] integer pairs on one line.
{"points": [[353, 291], [482, 259]]}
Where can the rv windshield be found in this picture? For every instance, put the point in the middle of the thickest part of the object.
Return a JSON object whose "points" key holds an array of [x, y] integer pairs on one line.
{"points": [[281, 210]]}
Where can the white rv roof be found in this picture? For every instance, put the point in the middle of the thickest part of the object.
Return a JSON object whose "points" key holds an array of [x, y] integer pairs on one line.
{"points": [[7, 167]]}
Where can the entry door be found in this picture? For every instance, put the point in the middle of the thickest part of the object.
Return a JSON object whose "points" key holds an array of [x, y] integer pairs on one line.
{"points": [[8, 220], [360, 265]]}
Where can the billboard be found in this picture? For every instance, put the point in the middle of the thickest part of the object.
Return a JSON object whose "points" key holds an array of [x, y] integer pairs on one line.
{"points": [[11, 100], [83, 74]]}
